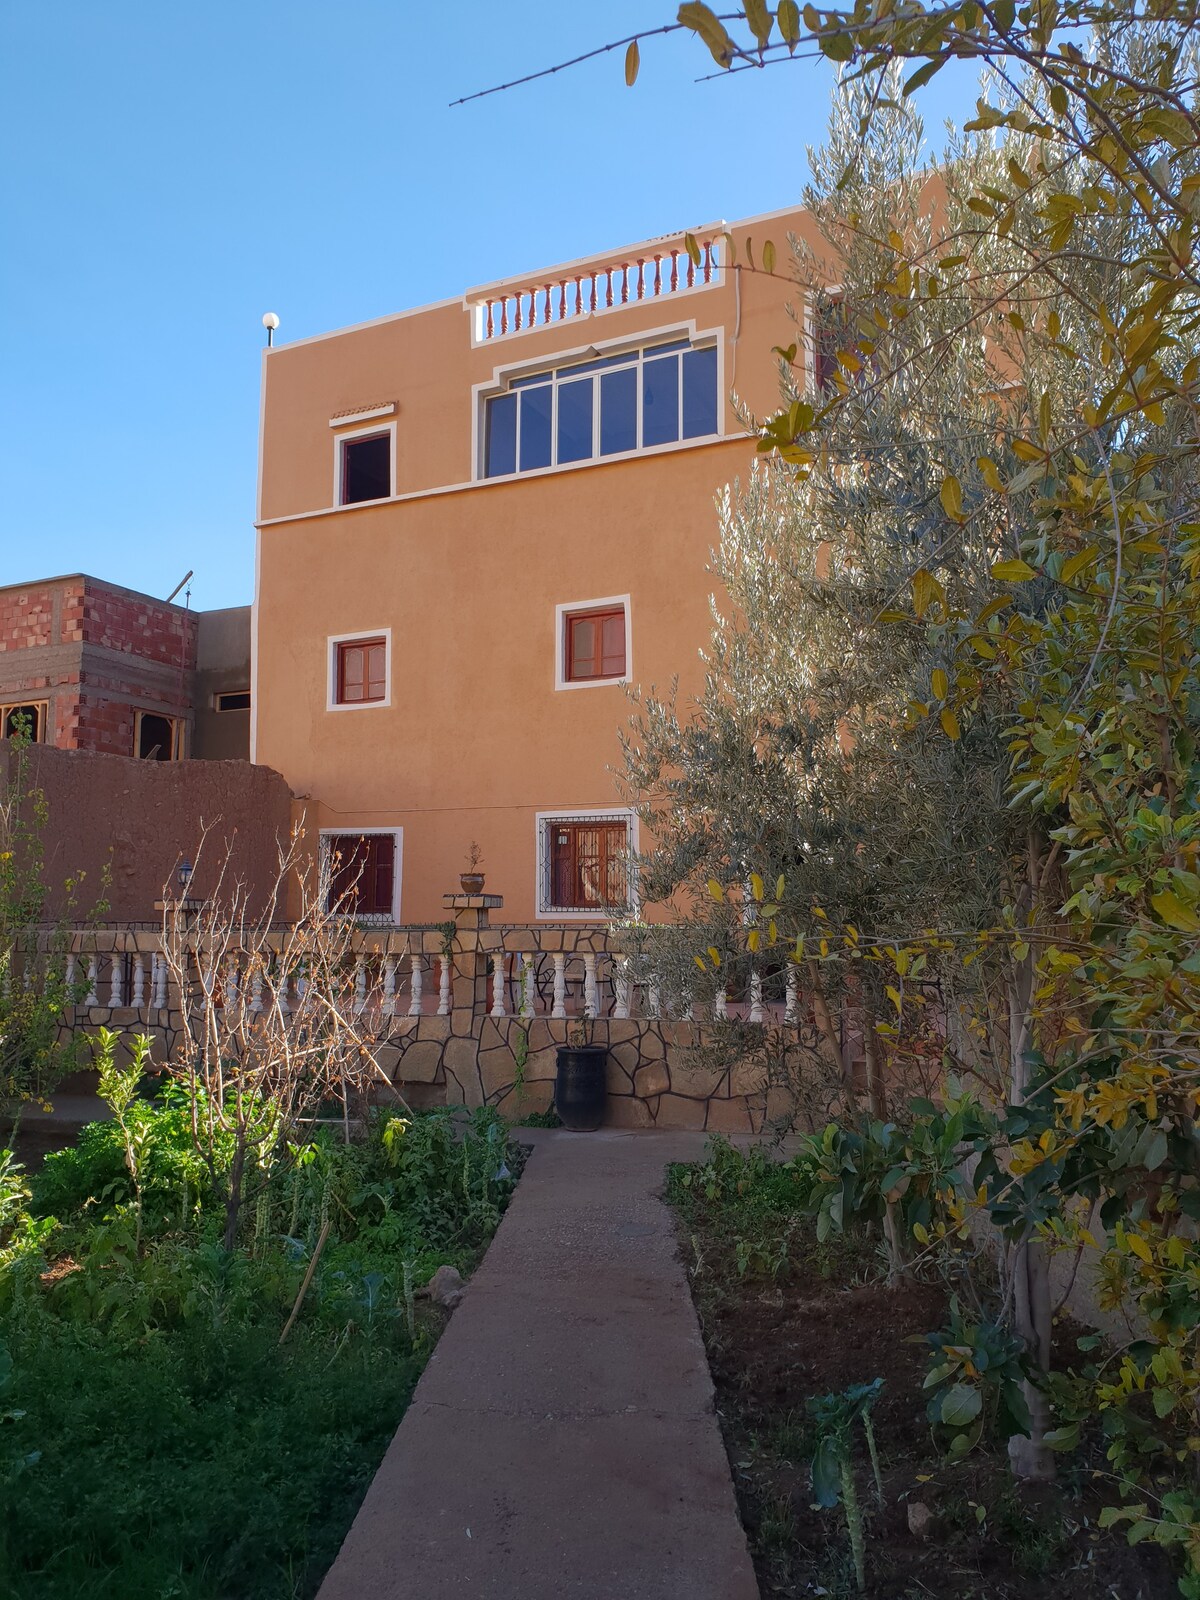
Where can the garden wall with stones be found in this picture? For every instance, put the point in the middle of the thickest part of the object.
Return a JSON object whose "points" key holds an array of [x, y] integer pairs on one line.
{"points": [[472, 1014]]}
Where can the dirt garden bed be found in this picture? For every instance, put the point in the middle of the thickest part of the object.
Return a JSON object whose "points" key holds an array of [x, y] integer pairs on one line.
{"points": [[780, 1328]]}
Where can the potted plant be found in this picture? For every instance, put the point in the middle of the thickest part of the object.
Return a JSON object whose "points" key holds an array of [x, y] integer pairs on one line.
{"points": [[581, 1081], [472, 880]]}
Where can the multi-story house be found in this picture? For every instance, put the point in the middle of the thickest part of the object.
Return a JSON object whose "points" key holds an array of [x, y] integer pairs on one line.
{"points": [[88, 665], [479, 522]]}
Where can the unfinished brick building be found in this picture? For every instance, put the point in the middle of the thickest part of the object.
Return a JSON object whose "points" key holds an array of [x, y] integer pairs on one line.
{"points": [[87, 665]]}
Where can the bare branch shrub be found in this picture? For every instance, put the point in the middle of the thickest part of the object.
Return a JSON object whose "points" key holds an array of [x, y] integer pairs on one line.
{"points": [[275, 1024]]}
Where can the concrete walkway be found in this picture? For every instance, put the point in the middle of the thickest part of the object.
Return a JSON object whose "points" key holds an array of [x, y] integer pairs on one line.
{"points": [[562, 1440]]}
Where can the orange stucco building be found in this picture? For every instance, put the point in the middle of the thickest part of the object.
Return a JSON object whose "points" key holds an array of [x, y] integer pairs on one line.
{"points": [[477, 522]]}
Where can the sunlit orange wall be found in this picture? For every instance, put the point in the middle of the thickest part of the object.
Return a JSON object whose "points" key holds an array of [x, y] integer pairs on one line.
{"points": [[476, 739]]}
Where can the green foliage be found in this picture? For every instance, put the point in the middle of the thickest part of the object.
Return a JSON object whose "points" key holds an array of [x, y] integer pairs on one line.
{"points": [[976, 1377], [35, 989], [156, 1438], [834, 1416]]}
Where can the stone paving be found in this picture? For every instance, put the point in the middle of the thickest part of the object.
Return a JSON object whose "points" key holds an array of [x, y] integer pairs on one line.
{"points": [[562, 1441]]}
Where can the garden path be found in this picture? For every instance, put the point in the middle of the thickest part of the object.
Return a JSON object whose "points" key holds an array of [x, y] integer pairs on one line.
{"points": [[562, 1440]]}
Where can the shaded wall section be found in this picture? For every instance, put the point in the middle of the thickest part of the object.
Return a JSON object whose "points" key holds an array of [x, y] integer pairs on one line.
{"points": [[222, 669], [141, 817]]}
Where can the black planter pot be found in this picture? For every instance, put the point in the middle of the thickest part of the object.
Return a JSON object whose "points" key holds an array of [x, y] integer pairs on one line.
{"points": [[580, 1088]]}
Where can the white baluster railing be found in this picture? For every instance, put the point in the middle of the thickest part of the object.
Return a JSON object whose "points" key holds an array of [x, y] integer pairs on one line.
{"points": [[757, 1014], [591, 994], [791, 1003], [622, 987], [443, 1009], [138, 997], [416, 986], [498, 985], [116, 980], [559, 1006]]}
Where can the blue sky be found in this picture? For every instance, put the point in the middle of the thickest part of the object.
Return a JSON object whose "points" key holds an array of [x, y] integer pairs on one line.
{"points": [[173, 171]]}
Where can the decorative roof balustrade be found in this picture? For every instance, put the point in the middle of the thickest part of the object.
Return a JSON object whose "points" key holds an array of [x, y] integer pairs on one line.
{"points": [[575, 291]]}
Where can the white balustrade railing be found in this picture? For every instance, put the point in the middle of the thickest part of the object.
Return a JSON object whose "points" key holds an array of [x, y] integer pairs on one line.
{"points": [[560, 985], [649, 272]]}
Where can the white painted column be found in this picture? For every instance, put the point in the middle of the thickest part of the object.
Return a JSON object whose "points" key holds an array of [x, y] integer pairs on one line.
{"points": [[653, 1000], [756, 1000], [256, 985], [443, 1009], [791, 1004], [498, 985], [138, 997], [231, 984], [591, 995], [622, 987], [417, 977], [559, 1008], [389, 985], [69, 974], [721, 1004], [360, 985], [93, 973], [118, 978], [528, 989]]}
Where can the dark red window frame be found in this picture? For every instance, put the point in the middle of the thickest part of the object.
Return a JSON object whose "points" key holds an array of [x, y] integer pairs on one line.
{"points": [[371, 684], [588, 864], [605, 654], [362, 873]]}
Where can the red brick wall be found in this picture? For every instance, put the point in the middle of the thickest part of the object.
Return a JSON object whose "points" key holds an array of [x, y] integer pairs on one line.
{"points": [[26, 618], [134, 623]]}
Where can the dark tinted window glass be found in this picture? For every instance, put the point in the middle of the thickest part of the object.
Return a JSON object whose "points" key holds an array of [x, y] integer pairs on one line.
{"points": [[575, 420], [598, 364], [500, 449], [660, 401], [618, 411], [535, 427], [699, 392], [234, 700], [366, 469]]}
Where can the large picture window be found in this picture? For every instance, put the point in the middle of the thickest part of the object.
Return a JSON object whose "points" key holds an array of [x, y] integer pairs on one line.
{"points": [[606, 407]]}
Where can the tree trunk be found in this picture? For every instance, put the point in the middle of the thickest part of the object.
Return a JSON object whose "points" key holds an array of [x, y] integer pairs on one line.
{"points": [[233, 1195], [829, 1034], [876, 1087], [1032, 1312]]}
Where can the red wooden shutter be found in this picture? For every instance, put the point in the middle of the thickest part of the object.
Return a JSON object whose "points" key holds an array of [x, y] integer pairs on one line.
{"points": [[377, 671], [612, 657], [596, 645], [351, 664], [364, 873], [381, 873], [582, 648]]}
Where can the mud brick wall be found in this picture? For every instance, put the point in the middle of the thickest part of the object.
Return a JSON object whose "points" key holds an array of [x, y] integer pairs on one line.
{"points": [[139, 817]]}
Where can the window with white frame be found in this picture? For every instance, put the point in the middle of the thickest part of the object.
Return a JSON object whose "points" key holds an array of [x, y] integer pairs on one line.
{"points": [[592, 642], [364, 872], [359, 670], [584, 863], [364, 465], [612, 405]]}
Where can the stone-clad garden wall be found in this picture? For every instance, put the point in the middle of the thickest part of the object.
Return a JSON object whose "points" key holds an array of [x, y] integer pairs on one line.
{"points": [[471, 1014]]}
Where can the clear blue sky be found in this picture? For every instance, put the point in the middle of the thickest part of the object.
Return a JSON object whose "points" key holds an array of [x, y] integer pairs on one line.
{"points": [[171, 171]]}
